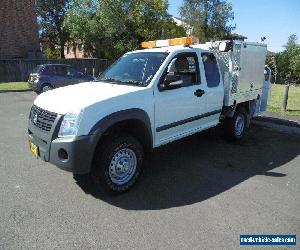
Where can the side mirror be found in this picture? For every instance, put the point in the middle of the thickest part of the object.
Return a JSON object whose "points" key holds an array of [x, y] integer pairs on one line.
{"points": [[176, 84], [170, 82]]}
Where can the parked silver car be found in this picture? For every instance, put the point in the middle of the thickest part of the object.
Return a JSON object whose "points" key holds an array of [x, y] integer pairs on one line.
{"points": [[49, 76]]}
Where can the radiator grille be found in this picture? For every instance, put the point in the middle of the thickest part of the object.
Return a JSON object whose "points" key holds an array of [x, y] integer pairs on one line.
{"points": [[41, 118]]}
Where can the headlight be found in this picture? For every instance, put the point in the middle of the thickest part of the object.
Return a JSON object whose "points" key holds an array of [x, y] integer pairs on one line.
{"points": [[70, 124], [34, 79]]}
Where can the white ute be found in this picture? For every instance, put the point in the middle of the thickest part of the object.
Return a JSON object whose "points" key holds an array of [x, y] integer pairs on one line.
{"points": [[166, 91]]}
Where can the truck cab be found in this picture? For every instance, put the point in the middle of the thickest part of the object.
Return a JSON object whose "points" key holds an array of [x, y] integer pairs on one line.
{"points": [[187, 93], [146, 99]]}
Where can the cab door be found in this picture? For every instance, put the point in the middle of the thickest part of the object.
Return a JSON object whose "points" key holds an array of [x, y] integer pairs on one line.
{"points": [[215, 87], [180, 99]]}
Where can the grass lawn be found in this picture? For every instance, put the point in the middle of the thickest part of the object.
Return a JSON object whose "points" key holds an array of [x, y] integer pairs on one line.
{"points": [[275, 101], [13, 86]]}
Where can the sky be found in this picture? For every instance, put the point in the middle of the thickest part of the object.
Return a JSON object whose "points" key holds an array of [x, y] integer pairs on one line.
{"points": [[274, 19]]}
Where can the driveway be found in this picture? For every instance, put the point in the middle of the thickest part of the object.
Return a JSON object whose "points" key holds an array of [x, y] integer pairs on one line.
{"points": [[199, 193]]}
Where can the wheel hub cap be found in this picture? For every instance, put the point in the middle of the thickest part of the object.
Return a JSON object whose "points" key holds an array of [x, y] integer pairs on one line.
{"points": [[239, 125], [122, 166], [46, 88]]}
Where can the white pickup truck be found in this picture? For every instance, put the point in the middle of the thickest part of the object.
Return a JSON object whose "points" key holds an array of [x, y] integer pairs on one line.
{"points": [[146, 99]]}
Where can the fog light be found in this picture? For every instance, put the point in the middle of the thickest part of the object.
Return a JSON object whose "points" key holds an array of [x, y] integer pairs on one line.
{"points": [[62, 154]]}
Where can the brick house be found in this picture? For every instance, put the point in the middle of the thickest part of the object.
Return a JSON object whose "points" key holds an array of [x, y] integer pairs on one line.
{"points": [[18, 29], [75, 50]]}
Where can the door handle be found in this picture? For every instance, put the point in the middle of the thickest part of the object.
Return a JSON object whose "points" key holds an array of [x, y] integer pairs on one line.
{"points": [[199, 92]]}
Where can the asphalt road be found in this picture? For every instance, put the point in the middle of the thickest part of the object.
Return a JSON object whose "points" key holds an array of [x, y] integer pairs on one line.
{"points": [[199, 193]]}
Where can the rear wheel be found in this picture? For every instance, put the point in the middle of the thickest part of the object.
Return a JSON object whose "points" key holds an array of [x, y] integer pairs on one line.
{"points": [[117, 164], [236, 126], [46, 87]]}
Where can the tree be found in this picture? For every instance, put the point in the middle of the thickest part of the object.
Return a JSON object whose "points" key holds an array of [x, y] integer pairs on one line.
{"points": [[271, 62], [51, 14], [293, 54], [52, 53], [210, 19], [109, 28], [292, 41], [288, 61]]}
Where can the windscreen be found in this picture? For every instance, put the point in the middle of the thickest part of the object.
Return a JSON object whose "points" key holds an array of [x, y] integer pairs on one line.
{"points": [[134, 69], [37, 69]]}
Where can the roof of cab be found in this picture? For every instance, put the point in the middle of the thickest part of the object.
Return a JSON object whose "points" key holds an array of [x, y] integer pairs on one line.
{"points": [[169, 49], [54, 64]]}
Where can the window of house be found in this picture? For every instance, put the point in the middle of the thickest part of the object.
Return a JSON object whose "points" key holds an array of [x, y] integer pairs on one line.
{"points": [[80, 47]]}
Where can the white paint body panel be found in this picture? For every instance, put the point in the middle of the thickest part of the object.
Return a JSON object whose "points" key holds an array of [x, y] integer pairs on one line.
{"points": [[97, 100]]}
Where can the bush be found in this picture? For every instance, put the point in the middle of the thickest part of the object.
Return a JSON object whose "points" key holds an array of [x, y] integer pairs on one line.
{"points": [[52, 53]]}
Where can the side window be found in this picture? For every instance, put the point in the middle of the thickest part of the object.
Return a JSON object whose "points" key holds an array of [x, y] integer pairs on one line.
{"points": [[71, 71], [184, 68], [49, 70], [211, 70], [61, 70]]}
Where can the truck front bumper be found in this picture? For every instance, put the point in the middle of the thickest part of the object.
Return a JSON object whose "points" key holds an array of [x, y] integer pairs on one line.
{"points": [[73, 154]]}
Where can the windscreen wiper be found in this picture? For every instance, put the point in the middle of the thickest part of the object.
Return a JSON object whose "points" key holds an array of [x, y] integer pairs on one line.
{"points": [[134, 82], [109, 79]]}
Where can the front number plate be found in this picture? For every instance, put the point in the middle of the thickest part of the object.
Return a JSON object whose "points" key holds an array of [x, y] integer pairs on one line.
{"points": [[34, 149]]}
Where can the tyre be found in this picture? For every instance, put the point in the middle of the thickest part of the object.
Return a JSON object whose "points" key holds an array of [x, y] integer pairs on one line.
{"points": [[236, 126], [46, 87], [117, 164]]}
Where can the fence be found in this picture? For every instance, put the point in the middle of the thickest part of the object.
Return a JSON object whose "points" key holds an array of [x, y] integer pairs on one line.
{"points": [[16, 70]]}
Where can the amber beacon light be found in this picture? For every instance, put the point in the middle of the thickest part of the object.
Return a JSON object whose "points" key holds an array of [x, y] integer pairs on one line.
{"points": [[189, 40]]}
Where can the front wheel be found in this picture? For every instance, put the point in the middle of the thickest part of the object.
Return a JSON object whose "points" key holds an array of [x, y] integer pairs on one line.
{"points": [[236, 126], [118, 164]]}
